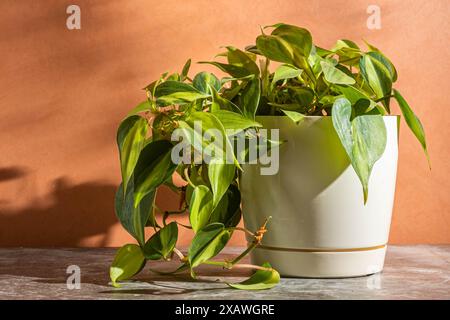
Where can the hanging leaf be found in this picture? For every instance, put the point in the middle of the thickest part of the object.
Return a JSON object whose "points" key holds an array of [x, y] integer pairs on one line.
{"points": [[207, 243], [162, 243], [413, 122], [220, 175], [201, 207], [128, 262], [133, 218], [228, 210], [364, 139], [249, 98], [260, 280], [153, 168], [130, 139]]}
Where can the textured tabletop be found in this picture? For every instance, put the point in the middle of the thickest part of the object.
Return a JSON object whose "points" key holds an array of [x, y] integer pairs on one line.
{"points": [[411, 272]]}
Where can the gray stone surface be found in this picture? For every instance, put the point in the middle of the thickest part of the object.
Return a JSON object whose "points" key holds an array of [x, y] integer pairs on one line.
{"points": [[411, 272]]}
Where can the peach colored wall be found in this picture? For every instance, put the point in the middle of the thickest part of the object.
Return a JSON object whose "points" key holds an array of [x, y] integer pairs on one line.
{"points": [[64, 92]]}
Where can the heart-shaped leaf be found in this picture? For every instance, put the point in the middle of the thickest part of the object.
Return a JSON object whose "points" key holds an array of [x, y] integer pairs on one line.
{"points": [[275, 48], [207, 243], [334, 75], [129, 261], [249, 98], [220, 175], [204, 80], [201, 207], [234, 122], [153, 168], [260, 280], [364, 139], [162, 243], [133, 218], [130, 140], [285, 71], [234, 71], [294, 116], [241, 59]]}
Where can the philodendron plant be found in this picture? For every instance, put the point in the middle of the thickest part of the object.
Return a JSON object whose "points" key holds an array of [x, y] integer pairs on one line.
{"points": [[351, 85]]}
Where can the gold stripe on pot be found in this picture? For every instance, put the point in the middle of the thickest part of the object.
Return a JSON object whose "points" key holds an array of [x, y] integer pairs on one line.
{"points": [[321, 249]]}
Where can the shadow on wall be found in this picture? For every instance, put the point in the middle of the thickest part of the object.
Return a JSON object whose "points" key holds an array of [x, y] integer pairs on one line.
{"points": [[73, 212]]}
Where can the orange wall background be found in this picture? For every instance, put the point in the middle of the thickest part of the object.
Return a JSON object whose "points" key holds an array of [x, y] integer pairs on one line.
{"points": [[64, 92]]}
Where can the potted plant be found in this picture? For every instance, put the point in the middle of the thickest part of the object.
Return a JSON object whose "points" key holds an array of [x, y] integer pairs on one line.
{"points": [[330, 198]]}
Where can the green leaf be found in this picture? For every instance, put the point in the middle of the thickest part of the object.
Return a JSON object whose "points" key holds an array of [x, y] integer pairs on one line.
{"points": [[130, 140], [413, 122], [334, 75], [260, 280], [141, 107], [299, 38], [391, 67], [220, 175], [234, 122], [294, 116], [207, 243], [275, 48], [185, 71], [377, 77], [285, 71], [241, 59], [203, 80], [128, 262], [364, 139], [174, 92], [220, 103], [201, 207], [133, 218], [234, 71], [153, 168], [249, 98], [162, 243], [228, 210]]}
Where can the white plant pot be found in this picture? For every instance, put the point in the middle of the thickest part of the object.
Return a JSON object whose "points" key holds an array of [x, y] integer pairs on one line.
{"points": [[320, 226]]}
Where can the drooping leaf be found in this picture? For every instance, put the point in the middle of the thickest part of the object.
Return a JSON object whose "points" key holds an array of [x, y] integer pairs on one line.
{"points": [[174, 92], [334, 75], [133, 218], [413, 122], [128, 262], [228, 210], [294, 116], [207, 243], [249, 98], [364, 139], [203, 80], [220, 175], [153, 168], [260, 280], [201, 207], [130, 140], [162, 243]]}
